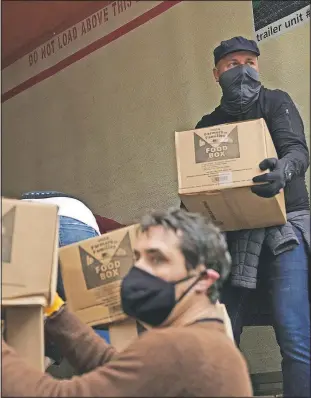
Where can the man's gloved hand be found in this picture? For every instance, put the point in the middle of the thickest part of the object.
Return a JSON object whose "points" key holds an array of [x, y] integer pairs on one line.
{"points": [[275, 179], [58, 303]]}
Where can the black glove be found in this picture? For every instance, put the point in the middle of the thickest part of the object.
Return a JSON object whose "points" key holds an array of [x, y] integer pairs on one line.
{"points": [[275, 180]]}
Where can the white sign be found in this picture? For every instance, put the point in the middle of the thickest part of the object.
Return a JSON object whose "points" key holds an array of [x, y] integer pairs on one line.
{"points": [[283, 25]]}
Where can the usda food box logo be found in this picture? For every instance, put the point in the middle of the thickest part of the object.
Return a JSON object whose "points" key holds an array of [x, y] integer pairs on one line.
{"points": [[216, 144], [101, 271]]}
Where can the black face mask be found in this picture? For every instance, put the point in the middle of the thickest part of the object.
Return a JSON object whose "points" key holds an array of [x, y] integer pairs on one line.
{"points": [[148, 298], [240, 87]]}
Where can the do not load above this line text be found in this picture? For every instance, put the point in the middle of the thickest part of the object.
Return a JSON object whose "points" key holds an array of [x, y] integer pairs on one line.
{"points": [[69, 36]]}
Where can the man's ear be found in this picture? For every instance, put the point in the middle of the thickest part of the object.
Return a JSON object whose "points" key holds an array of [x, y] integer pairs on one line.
{"points": [[208, 279], [216, 74]]}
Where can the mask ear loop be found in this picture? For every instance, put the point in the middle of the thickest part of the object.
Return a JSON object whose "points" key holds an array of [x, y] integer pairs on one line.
{"points": [[191, 286]]}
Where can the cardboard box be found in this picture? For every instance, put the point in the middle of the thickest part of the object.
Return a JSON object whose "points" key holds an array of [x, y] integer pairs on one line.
{"points": [[92, 271], [29, 251], [24, 330], [125, 332], [29, 274], [216, 166]]}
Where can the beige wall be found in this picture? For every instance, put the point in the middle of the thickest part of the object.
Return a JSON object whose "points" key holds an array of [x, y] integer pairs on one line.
{"points": [[103, 128]]}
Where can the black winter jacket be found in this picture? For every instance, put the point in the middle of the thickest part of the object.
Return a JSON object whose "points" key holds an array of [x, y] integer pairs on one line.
{"points": [[287, 132]]}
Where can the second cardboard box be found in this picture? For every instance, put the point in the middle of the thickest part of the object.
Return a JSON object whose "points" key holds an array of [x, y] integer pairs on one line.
{"points": [[92, 271], [216, 166]]}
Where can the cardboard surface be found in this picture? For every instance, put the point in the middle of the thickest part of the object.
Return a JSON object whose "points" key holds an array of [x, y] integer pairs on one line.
{"points": [[224, 156], [92, 271], [216, 166], [24, 331], [123, 333], [227, 322], [29, 251], [238, 208]]}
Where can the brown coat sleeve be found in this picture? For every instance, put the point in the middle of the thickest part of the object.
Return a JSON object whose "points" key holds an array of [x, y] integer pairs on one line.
{"points": [[129, 374], [161, 363], [70, 334]]}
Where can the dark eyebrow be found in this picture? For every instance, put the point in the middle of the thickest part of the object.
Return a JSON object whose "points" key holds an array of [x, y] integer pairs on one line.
{"points": [[236, 60], [148, 251], [232, 59], [154, 251]]}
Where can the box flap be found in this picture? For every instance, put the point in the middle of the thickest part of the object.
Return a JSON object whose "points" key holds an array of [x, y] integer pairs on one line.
{"points": [[25, 301]]}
